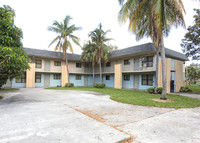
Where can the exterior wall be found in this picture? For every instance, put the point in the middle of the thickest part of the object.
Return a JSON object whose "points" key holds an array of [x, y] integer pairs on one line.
{"points": [[127, 67], [41, 84], [56, 68], [14, 84], [30, 76], [74, 69], [72, 78], [97, 79], [54, 82], [127, 84], [172, 64], [145, 87], [179, 75], [168, 73], [109, 83], [8, 84], [109, 69], [118, 76], [40, 69], [90, 80]]}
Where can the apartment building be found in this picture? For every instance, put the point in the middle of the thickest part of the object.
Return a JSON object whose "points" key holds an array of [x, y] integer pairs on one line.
{"points": [[131, 68]]}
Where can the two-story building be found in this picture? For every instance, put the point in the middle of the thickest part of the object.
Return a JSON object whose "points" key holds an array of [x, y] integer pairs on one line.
{"points": [[132, 68]]}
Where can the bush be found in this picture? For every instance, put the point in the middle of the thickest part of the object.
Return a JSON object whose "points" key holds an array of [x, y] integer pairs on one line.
{"points": [[98, 85], [185, 89], [151, 90], [69, 84], [159, 90]]}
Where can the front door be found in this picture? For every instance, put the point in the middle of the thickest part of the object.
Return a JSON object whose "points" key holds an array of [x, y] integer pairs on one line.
{"points": [[46, 80], [85, 80], [136, 81], [173, 82]]}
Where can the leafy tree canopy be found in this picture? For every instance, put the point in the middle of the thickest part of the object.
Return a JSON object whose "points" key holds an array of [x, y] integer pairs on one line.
{"points": [[191, 42], [13, 59], [10, 35]]}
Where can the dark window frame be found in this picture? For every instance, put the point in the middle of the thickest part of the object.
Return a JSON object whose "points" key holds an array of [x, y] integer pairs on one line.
{"points": [[78, 65], [56, 76], [57, 63], [147, 79], [127, 77], [38, 80], [127, 62], [108, 64], [21, 79], [38, 64], [78, 77], [148, 60], [107, 77]]}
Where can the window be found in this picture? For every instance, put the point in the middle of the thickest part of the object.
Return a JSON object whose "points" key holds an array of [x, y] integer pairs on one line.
{"points": [[108, 64], [38, 78], [127, 77], [107, 77], [147, 61], [127, 62], [21, 79], [57, 63], [78, 65], [147, 80], [56, 76], [78, 77], [38, 64]]}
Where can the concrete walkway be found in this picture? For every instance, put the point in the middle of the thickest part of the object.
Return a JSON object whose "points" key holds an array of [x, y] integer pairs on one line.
{"points": [[189, 95], [39, 115]]}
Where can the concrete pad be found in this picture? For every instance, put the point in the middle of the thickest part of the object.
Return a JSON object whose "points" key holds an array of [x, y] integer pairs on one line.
{"points": [[26, 119], [189, 95]]}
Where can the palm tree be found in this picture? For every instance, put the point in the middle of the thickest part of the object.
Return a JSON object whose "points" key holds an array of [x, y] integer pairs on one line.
{"points": [[98, 36], [89, 54], [143, 25], [65, 36], [160, 16]]}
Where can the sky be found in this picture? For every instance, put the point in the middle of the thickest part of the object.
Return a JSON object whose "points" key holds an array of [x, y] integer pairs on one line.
{"points": [[34, 17]]}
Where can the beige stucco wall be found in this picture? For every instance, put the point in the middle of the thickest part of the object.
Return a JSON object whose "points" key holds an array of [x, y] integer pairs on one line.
{"points": [[74, 69], [30, 76], [64, 75], [55, 68], [118, 76], [179, 75]]}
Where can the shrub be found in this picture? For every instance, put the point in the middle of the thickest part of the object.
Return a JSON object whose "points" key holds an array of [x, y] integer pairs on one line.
{"points": [[159, 90], [185, 89], [69, 84], [151, 90], [98, 85]]}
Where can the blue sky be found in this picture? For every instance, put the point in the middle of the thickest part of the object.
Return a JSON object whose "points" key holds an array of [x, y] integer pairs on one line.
{"points": [[34, 16]]}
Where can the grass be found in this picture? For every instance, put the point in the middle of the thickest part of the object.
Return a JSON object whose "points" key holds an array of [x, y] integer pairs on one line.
{"points": [[143, 98], [8, 89], [1, 97], [195, 88]]}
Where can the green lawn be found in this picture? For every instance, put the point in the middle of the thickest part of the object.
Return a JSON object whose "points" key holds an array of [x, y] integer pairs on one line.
{"points": [[8, 89], [140, 97], [195, 88]]}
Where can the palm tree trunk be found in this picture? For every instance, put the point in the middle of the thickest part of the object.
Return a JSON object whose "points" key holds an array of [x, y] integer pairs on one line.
{"points": [[93, 73], [100, 66], [66, 61], [164, 82], [157, 59]]}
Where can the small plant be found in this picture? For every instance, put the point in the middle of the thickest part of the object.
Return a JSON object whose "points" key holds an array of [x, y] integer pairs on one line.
{"points": [[98, 85], [185, 89], [151, 90], [69, 84], [159, 90]]}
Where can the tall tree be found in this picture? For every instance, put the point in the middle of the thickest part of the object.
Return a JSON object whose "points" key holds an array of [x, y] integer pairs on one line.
{"points": [[65, 36], [98, 36], [191, 42], [13, 59], [89, 54], [143, 25], [167, 13], [193, 73]]}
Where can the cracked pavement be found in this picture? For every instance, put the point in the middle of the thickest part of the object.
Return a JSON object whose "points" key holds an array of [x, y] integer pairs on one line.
{"points": [[39, 115]]}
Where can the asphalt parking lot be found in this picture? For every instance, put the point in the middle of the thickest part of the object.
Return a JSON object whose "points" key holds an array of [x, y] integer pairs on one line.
{"points": [[39, 115]]}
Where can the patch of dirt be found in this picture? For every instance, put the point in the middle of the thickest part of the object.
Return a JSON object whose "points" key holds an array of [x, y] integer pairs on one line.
{"points": [[91, 115], [159, 100]]}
